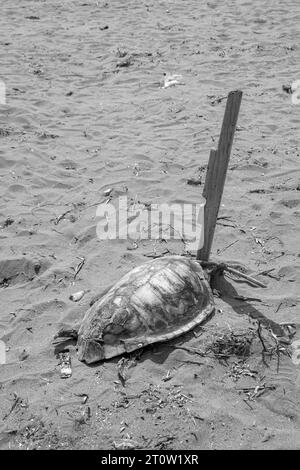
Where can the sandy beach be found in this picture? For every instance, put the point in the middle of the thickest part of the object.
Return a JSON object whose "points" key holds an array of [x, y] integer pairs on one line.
{"points": [[85, 112]]}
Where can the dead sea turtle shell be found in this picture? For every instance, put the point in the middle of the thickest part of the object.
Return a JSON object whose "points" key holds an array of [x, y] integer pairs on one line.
{"points": [[154, 302]]}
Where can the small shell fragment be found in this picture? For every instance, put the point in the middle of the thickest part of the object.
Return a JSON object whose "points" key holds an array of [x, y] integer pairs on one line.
{"points": [[84, 399], [126, 444], [107, 192], [172, 80], [294, 90], [77, 295], [65, 365]]}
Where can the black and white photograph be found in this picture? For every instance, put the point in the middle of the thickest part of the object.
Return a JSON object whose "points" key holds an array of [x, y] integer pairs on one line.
{"points": [[149, 227]]}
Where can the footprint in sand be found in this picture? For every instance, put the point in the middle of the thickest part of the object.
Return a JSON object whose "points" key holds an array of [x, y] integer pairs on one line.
{"points": [[20, 270]]}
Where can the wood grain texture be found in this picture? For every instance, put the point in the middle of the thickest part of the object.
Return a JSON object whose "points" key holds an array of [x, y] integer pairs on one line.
{"points": [[217, 170]]}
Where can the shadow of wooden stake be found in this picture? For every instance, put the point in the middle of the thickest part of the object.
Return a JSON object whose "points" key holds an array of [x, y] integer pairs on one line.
{"points": [[216, 172]]}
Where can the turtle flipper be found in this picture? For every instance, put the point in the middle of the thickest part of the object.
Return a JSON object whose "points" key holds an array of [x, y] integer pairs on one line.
{"points": [[68, 332]]}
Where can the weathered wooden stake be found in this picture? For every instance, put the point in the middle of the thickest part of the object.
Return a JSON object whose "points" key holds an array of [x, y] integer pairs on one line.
{"points": [[216, 172]]}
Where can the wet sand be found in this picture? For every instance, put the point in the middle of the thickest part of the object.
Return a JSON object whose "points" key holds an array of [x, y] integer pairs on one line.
{"points": [[85, 112]]}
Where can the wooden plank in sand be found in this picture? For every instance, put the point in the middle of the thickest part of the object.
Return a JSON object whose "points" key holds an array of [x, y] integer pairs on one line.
{"points": [[216, 172]]}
